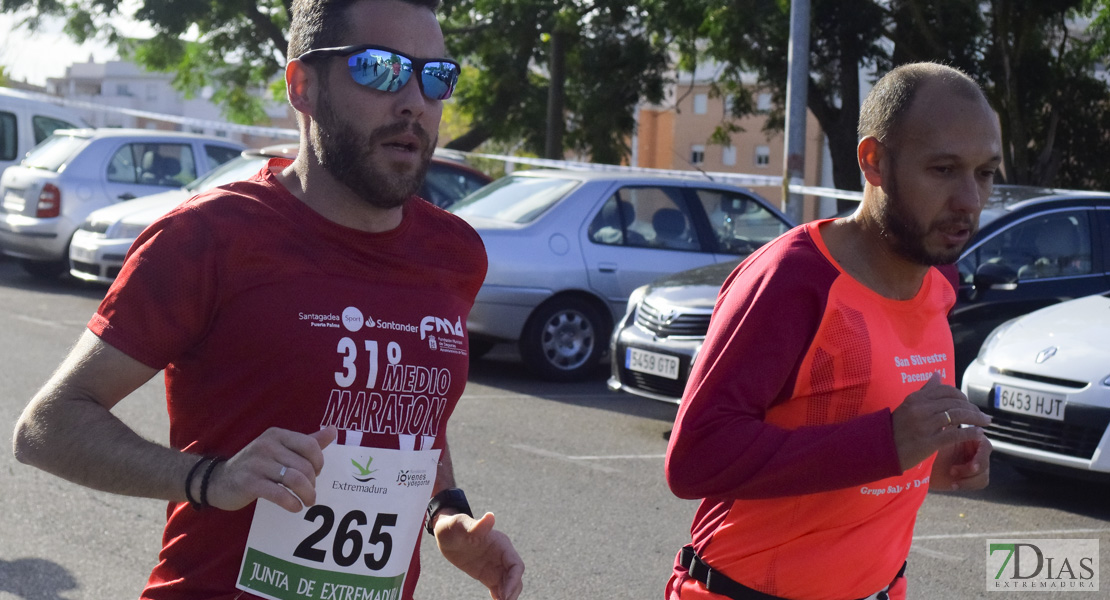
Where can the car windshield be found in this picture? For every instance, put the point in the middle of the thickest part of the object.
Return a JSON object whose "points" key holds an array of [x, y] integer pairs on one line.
{"points": [[515, 199], [235, 169], [53, 152]]}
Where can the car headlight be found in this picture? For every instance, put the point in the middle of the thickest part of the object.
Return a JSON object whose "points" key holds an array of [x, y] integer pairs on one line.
{"points": [[124, 230], [94, 226], [992, 340], [635, 298]]}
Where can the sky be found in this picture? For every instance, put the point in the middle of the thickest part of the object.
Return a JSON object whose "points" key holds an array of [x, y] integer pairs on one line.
{"points": [[46, 53]]}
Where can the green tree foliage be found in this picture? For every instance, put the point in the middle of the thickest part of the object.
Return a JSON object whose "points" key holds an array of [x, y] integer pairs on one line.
{"points": [[751, 37], [1037, 66], [239, 48], [1038, 70], [615, 58]]}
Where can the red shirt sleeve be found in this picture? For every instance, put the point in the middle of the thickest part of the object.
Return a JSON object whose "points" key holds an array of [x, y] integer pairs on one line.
{"points": [[767, 314], [154, 313]]}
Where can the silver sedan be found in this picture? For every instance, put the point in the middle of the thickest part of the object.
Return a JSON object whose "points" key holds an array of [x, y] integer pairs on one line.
{"points": [[566, 248]]}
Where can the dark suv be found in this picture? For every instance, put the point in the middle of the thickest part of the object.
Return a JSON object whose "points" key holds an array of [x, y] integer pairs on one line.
{"points": [[1035, 247]]}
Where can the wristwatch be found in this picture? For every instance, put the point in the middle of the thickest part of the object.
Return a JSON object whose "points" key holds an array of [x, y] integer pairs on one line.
{"points": [[448, 498]]}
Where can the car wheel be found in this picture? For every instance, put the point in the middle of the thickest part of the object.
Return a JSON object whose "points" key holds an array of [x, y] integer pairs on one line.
{"points": [[45, 269], [564, 339]]}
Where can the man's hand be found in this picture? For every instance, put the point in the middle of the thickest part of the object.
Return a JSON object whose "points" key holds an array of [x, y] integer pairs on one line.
{"points": [[964, 466], [930, 418], [480, 551], [279, 465]]}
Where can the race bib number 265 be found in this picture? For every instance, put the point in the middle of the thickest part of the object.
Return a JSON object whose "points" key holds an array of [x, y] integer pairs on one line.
{"points": [[357, 540]]}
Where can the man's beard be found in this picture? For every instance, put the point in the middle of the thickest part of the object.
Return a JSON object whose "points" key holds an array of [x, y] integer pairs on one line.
{"points": [[349, 158], [907, 237]]}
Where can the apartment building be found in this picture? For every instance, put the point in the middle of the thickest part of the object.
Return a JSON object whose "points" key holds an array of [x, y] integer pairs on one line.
{"points": [[676, 135]]}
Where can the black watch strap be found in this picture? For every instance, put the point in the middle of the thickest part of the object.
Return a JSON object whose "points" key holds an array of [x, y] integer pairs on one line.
{"points": [[448, 498]]}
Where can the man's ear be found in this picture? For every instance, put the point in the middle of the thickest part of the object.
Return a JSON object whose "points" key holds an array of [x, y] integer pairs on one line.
{"points": [[301, 85], [870, 153]]}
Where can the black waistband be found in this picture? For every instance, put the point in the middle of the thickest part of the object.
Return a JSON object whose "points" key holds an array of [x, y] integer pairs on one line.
{"points": [[716, 581], [719, 583]]}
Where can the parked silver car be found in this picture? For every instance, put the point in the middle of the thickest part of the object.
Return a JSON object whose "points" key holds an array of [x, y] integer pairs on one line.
{"points": [[566, 248], [45, 198]]}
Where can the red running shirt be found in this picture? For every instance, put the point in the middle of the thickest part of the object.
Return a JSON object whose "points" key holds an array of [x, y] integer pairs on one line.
{"points": [[265, 314], [785, 428]]}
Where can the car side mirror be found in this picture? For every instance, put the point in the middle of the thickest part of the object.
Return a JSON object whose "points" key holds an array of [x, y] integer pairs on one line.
{"points": [[994, 276]]}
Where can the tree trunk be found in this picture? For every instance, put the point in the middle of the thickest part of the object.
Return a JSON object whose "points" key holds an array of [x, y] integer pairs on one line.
{"points": [[553, 141], [470, 140]]}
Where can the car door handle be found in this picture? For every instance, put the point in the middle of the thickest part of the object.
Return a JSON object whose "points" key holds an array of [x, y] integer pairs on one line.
{"points": [[607, 267], [127, 196]]}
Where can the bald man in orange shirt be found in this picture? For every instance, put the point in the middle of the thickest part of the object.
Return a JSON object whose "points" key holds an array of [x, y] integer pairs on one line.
{"points": [[821, 408]]}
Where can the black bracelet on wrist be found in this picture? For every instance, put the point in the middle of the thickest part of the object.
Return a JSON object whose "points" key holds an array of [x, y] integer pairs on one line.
{"points": [[189, 483], [449, 498], [207, 477]]}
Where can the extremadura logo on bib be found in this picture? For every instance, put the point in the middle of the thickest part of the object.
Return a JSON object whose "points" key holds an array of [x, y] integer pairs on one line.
{"points": [[356, 542]]}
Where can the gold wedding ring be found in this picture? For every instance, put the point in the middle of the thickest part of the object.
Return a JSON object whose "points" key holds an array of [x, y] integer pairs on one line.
{"points": [[946, 416]]}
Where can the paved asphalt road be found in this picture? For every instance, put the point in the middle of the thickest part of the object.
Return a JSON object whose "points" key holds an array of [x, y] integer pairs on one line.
{"points": [[573, 472]]}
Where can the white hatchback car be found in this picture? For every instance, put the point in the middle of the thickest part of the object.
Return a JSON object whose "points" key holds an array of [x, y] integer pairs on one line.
{"points": [[99, 246], [1045, 380], [45, 198]]}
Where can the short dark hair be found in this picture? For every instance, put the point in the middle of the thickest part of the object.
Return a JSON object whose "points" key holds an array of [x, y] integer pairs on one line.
{"points": [[323, 23], [882, 111]]}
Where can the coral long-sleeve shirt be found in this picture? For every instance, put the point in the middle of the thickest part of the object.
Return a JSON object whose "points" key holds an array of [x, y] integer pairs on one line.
{"points": [[785, 427]]}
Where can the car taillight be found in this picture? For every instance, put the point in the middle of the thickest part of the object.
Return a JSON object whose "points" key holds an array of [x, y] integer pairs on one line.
{"points": [[50, 202]]}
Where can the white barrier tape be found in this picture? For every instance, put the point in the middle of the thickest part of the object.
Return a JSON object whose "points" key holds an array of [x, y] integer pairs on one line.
{"points": [[826, 192], [277, 132], [744, 179]]}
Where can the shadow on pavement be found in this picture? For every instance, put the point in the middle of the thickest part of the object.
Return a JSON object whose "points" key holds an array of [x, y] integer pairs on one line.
{"points": [[1076, 496], [13, 276], [35, 579], [502, 369]]}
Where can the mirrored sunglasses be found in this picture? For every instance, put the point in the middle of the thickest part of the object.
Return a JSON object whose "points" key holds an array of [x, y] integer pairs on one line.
{"points": [[387, 70]]}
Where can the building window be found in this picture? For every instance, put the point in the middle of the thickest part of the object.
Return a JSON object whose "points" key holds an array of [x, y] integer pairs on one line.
{"points": [[122, 90], [697, 154], [701, 104], [729, 98], [762, 156], [728, 155], [763, 102]]}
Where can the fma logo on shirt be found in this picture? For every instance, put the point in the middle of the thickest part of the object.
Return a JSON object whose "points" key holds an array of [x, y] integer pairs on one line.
{"points": [[441, 326]]}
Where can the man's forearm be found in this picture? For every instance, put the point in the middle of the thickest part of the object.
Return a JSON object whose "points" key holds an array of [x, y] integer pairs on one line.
{"points": [[82, 441]]}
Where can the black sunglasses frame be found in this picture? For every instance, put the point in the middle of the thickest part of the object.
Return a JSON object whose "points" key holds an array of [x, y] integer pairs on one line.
{"points": [[418, 64]]}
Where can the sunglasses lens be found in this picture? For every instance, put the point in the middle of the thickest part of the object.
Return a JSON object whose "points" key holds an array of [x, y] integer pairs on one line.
{"points": [[438, 79], [380, 70]]}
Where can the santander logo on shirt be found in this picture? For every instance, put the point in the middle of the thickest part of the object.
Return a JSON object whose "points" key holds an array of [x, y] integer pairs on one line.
{"points": [[354, 320]]}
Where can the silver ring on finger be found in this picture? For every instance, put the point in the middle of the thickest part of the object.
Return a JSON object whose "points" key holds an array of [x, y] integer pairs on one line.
{"points": [[281, 475]]}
